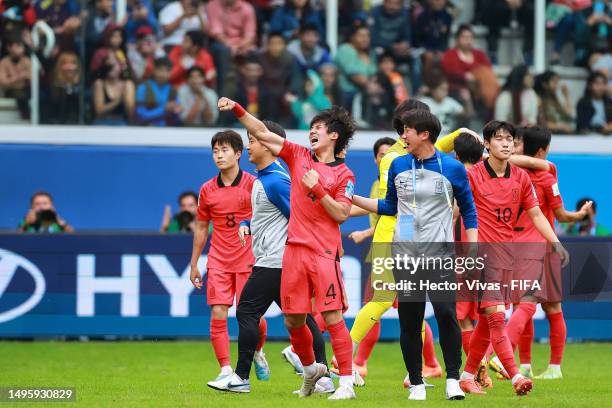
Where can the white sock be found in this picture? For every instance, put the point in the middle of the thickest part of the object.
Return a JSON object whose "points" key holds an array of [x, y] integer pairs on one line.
{"points": [[466, 376], [527, 366], [555, 366], [226, 370], [516, 378], [355, 347], [310, 370], [498, 362], [346, 380], [259, 352]]}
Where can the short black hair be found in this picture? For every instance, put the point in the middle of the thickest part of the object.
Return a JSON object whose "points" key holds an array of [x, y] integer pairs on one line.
{"points": [[381, 142], [490, 129], [462, 28], [276, 34], [519, 131], [195, 68], [275, 128], [583, 201], [39, 194], [187, 194], [406, 106], [422, 120], [308, 27], [468, 149], [197, 37], [337, 119], [162, 62], [228, 137], [386, 55], [535, 138]]}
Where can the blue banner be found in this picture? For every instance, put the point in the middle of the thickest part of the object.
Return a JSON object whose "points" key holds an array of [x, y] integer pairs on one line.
{"points": [[138, 286]]}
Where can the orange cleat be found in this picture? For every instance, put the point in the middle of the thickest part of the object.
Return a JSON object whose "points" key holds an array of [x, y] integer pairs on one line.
{"points": [[482, 376], [471, 387], [362, 370], [432, 372], [523, 386]]}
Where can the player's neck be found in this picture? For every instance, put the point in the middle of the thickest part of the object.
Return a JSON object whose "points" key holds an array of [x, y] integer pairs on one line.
{"points": [[326, 156], [425, 151], [468, 165], [229, 175], [498, 166], [265, 163]]}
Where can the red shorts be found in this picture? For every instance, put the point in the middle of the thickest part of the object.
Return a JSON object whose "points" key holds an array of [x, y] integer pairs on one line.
{"points": [[500, 293], [221, 286], [308, 275], [467, 310], [526, 272]]}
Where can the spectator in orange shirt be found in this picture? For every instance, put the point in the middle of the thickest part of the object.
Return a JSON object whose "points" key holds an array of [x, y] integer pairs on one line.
{"points": [[191, 54], [386, 65]]}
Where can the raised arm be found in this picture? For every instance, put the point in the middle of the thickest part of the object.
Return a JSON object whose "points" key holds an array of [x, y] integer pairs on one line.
{"points": [[254, 126], [562, 215], [528, 162]]}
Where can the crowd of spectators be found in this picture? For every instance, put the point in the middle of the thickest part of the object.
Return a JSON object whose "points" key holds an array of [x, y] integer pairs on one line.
{"points": [[166, 62]]}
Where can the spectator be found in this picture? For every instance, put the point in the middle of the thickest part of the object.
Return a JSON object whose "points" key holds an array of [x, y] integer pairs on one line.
{"points": [[432, 27], [390, 25], [140, 14], [307, 51], [378, 102], [42, 216], [184, 220], [198, 102], [63, 17], [156, 102], [288, 19], [554, 113], [518, 103], [98, 20], [191, 53], [588, 226], [179, 17], [113, 96], [15, 73], [310, 102], [142, 54], [280, 75], [331, 86], [114, 47], [250, 92], [356, 63], [386, 65], [65, 88], [602, 62], [447, 109], [594, 109]]}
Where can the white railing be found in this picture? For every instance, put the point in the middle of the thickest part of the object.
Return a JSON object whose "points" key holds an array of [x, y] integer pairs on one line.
{"points": [[39, 27]]}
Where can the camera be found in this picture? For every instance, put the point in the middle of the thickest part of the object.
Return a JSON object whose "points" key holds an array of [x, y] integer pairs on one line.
{"points": [[46, 217], [184, 220]]}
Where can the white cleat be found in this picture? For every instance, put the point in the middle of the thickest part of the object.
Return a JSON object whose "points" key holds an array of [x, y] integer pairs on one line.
{"points": [[324, 386], [262, 369], [407, 382], [310, 382], [231, 383], [293, 360], [417, 393], [343, 393], [358, 380], [453, 390]]}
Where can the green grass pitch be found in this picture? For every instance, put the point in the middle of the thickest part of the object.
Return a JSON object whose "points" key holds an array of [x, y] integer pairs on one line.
{"points": [[174, 374]]}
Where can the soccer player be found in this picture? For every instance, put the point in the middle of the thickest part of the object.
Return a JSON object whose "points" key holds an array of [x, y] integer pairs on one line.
{"points": [[321, 196], [268, 230], [500, 192], [421, 186], [225, 200]]}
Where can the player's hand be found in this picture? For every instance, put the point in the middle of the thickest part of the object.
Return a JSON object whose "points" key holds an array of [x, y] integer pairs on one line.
{"points": [[310, 178], [584, 210], [242, 233], [195, 277], [471, 132], [357, 236], [225, 104], [563, 254]]}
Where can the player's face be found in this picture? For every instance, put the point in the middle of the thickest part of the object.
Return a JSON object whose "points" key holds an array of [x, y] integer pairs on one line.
{"points": [[501, 145], [256, 150], [42, 202], [381, 153], [518, 146], [189, 203], [225, 157], [320, 139], [412, 139]]}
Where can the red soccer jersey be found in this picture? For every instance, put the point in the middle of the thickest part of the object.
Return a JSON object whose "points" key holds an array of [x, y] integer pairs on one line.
{"points": [[226, 206], [310, 225], [499, 199]]}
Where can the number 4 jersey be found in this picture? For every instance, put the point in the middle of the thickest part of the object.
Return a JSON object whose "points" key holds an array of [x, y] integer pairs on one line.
{"points": [[226, 206]]}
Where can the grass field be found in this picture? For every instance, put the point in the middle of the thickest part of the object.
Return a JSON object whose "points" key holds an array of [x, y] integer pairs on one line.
{"points": [[174, 374]]}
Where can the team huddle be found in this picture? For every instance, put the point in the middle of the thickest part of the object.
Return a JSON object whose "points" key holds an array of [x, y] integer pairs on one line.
{"points": [[277, 239]]}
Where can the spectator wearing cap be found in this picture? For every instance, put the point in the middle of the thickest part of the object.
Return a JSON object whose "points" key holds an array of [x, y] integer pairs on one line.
{"points": [[114, 48], [63, 17], [156, 99], [198, 102], [288, 19], [142, 54], [140, 14], [178, 17], [308, 53], [191, 53]]}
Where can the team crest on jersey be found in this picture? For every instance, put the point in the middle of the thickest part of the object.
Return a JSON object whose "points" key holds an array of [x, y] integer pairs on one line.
{"points": [[439, 186], [350, 189], [515, 195]]}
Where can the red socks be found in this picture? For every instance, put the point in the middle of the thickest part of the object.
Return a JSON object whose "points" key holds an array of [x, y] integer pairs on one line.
{"points": [[501, 343], [367, 345], [263, 330], [516, 325], [220, 341], [301, 340], [558, 333], [429, 352], [465, 341], [342, 346], [320, 321], [525, 343], [479, 343]]}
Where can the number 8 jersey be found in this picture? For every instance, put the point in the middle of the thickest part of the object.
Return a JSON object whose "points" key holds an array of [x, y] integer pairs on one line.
{"points": [[226, 206]]}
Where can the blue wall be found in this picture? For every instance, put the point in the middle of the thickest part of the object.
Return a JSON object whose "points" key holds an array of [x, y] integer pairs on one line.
{"points": [[126, 188]]}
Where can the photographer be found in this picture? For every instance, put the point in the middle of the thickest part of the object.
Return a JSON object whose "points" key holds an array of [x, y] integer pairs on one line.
{"points": [[588, 226], [183, 221], [42, 216]]}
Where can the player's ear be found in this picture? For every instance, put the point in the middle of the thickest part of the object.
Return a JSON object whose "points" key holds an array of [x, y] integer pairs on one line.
{"points": [[334, 135]]}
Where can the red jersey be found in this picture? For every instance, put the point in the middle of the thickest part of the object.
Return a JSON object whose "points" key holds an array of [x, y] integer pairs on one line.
{"points": [[310, 225], [226, 206], [499, 199]]}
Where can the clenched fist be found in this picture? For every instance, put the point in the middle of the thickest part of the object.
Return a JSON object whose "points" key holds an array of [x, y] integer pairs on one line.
{"points": [[310, 179], [225, 104]]}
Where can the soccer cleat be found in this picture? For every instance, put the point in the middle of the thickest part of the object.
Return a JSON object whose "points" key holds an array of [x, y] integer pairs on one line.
{"points": [[343, 393], [262, 369], [526, 372], [453, 390], [482, 376], [407, 382], [417, 393], [310, 381], [358, 380], [230, 383], [551, 373], [522, 386], [293, 360], [500, 371], [470, 386], [362, 370], [325, 385], [432, 372]]}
